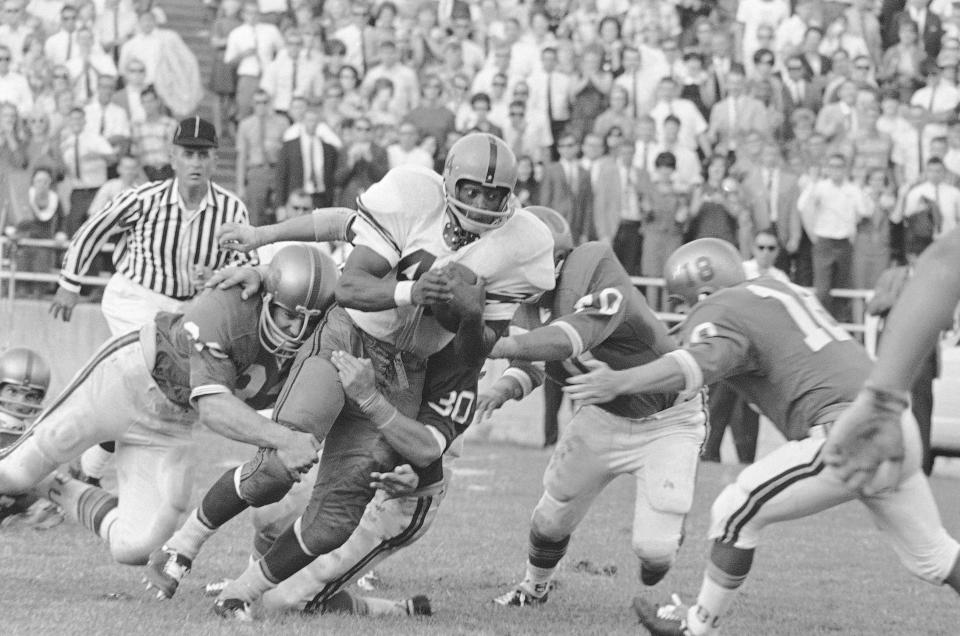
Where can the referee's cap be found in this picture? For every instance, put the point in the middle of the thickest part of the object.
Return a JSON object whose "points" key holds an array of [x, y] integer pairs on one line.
{"points": [[196, 132]]}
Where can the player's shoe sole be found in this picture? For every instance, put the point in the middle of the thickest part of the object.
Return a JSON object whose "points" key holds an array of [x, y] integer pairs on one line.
{"points": [[518, 597], [164, 570], [659, 622], [233, 609]]}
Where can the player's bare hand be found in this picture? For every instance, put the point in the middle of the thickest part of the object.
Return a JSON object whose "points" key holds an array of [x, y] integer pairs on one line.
{"points": [[63, 303], [237, 236], [489, 401], [299, 453], [248, 278], [399, 482], [599, 385], [467, 292], [865, 445], [433, 287], [199, 275], [356, 375]]}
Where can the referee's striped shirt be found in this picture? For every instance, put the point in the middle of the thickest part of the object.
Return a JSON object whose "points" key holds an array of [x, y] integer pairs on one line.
{"points": [[161, 242]]}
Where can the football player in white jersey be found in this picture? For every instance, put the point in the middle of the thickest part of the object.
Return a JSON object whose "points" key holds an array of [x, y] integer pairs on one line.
{"points": [[392, 296]]}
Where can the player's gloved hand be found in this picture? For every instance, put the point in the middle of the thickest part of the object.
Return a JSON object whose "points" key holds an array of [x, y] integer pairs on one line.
{"points": [[299, 453], [599, 385], [865, 445], [63, 303], [248, 278], [399, 482], [238, 236], [356, 375], [433, 287]]}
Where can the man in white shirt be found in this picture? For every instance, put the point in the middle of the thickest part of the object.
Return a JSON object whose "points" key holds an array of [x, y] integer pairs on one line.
{"points": [[406, 88], [85, 155], [831, 209], [116, 22], [14, 30], [106, 119], [145, 45], [693, 127], [688, 171], [13, 86], [550, 94], [292, 73], [639, 78], [932, 195], [406, 151], [253, 44], [751, 14], [939, 98], [526, 137], [738, 113], [765, 248], [62, 46], [88, 66]]}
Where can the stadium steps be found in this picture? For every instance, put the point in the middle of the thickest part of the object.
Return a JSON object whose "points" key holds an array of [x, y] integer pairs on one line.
{"points": [[190, 19]]}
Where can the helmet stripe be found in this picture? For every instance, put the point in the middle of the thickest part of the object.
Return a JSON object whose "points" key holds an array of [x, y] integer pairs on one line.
{"points": [[492, 166], [28, 372]]}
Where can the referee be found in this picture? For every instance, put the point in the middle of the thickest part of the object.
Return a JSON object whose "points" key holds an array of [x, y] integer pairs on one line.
{"points": [[166, 237]]}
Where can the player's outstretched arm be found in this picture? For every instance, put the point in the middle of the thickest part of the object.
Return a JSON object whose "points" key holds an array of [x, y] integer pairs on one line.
{"points": [[227, 415], [602, 384], [924, 308], [542, 344], [412, 439], [325, 224]]}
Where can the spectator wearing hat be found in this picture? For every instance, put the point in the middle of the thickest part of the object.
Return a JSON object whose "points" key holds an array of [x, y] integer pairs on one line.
{"points": [[168, 228]]}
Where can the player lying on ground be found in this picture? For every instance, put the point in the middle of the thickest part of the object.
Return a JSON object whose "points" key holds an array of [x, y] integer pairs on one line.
{"points": [[777, 346], [216, 362], [24, 380], [595, 311], [866, 436]]}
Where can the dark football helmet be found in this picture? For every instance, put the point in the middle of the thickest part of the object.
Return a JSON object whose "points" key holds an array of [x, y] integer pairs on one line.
{"points": [[301, 279], [701, 267]]}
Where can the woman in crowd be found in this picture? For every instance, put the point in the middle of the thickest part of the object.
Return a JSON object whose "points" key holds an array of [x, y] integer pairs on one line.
{"points": [[716, 206]]}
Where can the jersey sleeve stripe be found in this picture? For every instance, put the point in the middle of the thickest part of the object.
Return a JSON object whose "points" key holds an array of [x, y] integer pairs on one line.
{"points": [[382, 231], [575, 340]]}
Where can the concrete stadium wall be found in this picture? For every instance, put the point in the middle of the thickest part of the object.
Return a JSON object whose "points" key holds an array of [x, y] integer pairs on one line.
{"points": [[65, 346]]}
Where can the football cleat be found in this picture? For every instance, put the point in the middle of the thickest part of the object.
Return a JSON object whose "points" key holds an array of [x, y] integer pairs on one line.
{"points": [[520, 597], [419, 605], [369, 581], [164, 571], [215, 588], [234, 609], [664, 620]]}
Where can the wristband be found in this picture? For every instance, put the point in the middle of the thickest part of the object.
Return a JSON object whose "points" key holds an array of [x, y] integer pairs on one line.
{"points": [[403, 293], [888, 399], [379, 410]]}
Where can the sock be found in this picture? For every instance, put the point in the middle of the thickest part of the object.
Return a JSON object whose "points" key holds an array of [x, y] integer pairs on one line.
{"points": [[719, 588], [343, 602], [250, 585], [94, 460], [543, 557], [287, 555], [222, 502], [191, 536], [85, 504]]}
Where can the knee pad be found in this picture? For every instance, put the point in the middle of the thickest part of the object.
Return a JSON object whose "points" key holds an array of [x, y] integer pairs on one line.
{"points": [[264, 479], [321, 537], [935, 564], [553, 519], [656, 553]]}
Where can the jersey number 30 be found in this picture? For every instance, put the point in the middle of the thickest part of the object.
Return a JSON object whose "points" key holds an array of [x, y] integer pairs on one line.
{"points": [[456, 406], [818, 327], [607, 301]]}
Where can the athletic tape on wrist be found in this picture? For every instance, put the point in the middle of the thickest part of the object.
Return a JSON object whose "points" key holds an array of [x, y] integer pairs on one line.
{"points": [[379, 410], [403, 293], [889, 399]]}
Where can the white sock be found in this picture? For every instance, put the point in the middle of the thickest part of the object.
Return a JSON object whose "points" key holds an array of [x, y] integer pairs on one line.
{"points": [[249, 586], [712, 604], [94, 461], [107, 524], [536, 579], [191, 536]]}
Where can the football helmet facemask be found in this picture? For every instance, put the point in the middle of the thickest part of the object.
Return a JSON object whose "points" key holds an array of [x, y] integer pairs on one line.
{"points": [[301, 280], [24, 380], [480, 168], [700, 268]]}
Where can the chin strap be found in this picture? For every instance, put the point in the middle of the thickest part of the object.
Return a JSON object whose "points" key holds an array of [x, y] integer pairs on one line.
{"points": [[457, 237]]}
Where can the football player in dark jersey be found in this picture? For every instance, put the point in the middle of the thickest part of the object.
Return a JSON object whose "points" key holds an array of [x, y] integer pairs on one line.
{"points": [[595, 312], [779, 348], [216, 362]]}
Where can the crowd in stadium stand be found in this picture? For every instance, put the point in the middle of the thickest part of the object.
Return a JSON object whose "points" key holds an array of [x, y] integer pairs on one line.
{"points": [[646, 123]]}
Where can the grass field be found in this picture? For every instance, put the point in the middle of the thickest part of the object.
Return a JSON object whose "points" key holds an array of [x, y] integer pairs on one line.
{"points": [[827, 574]]}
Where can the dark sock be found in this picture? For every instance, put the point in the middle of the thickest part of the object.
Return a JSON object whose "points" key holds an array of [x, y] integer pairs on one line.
{"points": [[221, 503]]}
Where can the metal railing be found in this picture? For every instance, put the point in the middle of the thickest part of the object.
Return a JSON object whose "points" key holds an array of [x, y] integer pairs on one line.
{"points": [[9, 246]]}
